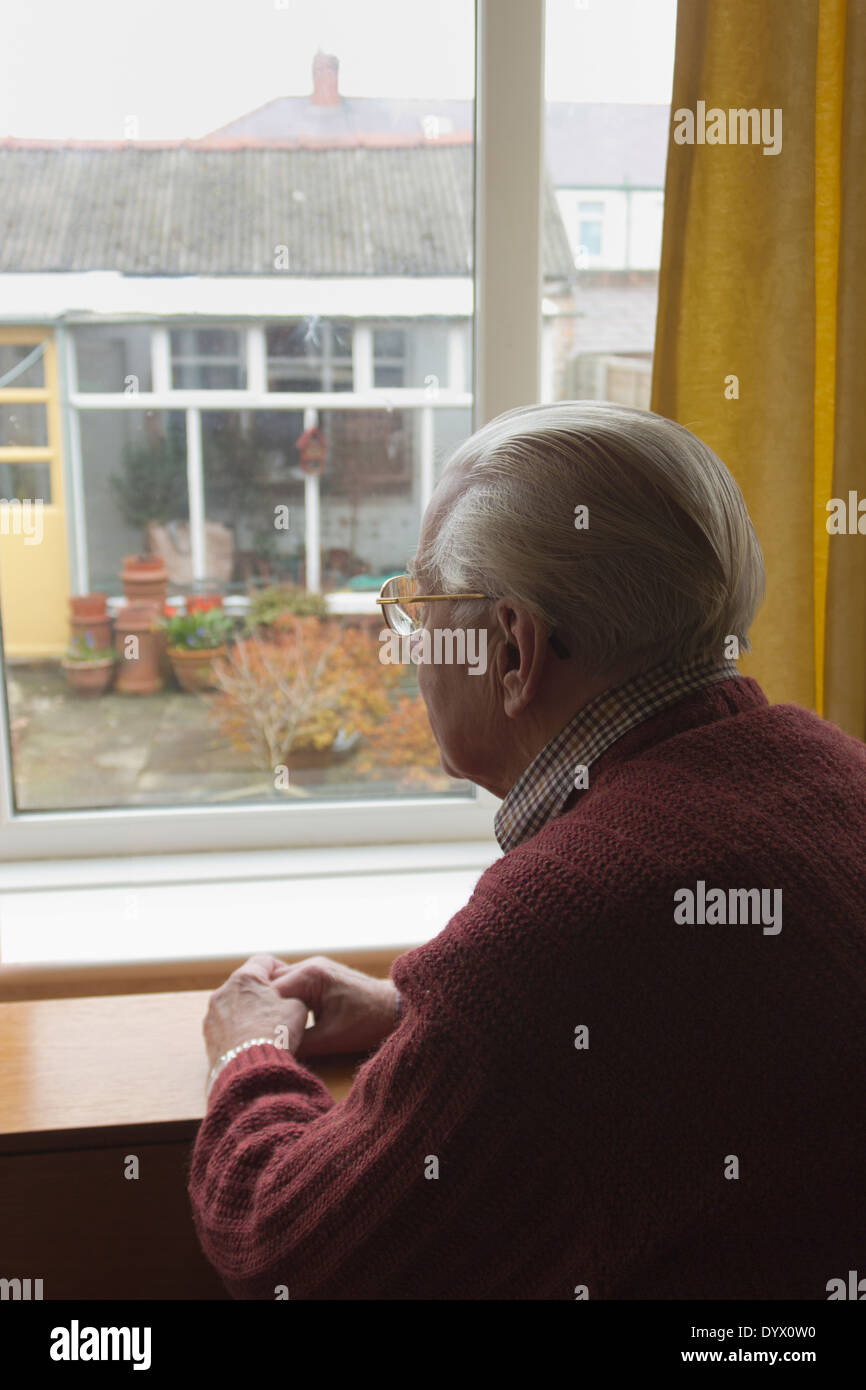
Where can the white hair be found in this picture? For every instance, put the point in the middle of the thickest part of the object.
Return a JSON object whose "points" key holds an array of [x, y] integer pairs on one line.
{"points": [[668, 565]]}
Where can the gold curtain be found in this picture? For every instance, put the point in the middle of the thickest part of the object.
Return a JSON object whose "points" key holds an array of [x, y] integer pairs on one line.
{"points": [[761, 333]]}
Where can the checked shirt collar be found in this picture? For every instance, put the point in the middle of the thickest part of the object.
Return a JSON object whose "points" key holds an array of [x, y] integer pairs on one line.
{"points": [[541, 791]]}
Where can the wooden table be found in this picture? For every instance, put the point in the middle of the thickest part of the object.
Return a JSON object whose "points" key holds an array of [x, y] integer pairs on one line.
{"points": [[85, 1084]]}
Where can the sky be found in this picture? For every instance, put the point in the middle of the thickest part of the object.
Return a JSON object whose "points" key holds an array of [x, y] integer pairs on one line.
{"points": [[79, 69]]}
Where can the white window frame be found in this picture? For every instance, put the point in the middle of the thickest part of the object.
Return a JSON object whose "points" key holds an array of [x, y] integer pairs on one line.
{"points": [[507, 373]]}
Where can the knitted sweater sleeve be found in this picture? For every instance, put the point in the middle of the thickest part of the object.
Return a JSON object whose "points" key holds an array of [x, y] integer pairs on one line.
{"points": [[352, 1200]]}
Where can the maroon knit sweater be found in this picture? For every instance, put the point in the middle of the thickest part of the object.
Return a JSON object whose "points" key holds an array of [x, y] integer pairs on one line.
{"points": [[602, 1166]]}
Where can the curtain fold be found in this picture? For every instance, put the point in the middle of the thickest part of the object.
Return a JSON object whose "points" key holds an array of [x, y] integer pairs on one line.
{"points": [[845, 681], [761, 331]]}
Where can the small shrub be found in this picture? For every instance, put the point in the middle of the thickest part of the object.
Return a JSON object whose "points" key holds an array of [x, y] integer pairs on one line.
{"points": [[83, 648], [283, 600], [198, 631], [299, 689]]}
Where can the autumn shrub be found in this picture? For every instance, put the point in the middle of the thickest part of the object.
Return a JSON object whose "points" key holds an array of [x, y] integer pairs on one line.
{"points": [[403, 744], [311, 679], [299, 688]]}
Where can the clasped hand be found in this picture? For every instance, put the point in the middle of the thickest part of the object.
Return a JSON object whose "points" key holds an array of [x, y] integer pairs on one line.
{"points": [[268, 998]]}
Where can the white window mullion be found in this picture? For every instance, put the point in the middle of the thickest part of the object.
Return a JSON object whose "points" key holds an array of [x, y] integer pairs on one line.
{"points": [[257, 359], [312, 519], [75, 489], [508, 179], [160, 359], [195, 486], [362, 357]]}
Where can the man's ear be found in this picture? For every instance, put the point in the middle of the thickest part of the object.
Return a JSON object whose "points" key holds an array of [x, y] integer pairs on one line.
{"points": [[522, 655]]}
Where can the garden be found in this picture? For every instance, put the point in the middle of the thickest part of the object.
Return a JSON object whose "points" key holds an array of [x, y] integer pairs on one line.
{"points": [[212, 699]]}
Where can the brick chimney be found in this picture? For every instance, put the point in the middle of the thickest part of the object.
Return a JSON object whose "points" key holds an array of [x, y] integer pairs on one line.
{"points": [[326, 67]]}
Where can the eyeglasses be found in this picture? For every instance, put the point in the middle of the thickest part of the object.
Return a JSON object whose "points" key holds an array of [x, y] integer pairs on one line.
{"points": [[401, 590]]}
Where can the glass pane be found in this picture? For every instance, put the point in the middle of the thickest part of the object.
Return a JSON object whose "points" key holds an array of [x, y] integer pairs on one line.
{"points": [[133, 464], [589, 233], [451, 427], [25, 481], [295, 514], [11, 357], [254, 488], [388, 376], [341, 337], [609, 77], [388, 342], [415, 353], [311, 354], [371, 495], [299, 338], [207, 359], [206, 377], [23, 426], [113, 358]]}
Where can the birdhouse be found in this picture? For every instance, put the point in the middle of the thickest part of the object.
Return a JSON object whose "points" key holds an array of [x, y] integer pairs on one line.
{"points": [[313, 451]]}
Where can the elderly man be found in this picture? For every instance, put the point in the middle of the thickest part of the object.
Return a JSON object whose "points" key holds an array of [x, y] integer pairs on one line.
{"points": [[633, 1065]]}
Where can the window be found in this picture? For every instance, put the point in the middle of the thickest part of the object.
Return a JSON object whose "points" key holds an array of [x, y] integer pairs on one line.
{"points": [[312, 354], [609, 75], [251, 421], [267, 342], [113, 358], [589, 227], [23, 426], [22, 365], [389, 357], [207, 359]]}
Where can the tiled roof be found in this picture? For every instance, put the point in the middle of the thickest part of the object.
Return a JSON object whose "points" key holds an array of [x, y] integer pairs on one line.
{"points": [[589, 143], [189, 209]]}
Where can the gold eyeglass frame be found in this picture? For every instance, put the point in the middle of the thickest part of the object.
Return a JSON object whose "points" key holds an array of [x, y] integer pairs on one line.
{"points": [[556, 643], [414, 598]]}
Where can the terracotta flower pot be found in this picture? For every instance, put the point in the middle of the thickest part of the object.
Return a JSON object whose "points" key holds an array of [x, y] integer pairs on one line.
{"points": [[144, 578], [87, 606], [140, 667], [194, 668], [89, 677]]}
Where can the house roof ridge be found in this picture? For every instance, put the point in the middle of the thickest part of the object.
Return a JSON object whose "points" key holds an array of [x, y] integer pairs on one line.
{"points": [[208, 143]]}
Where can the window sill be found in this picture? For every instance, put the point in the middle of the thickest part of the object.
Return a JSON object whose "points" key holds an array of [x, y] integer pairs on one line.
{"points": [[164, 922]]}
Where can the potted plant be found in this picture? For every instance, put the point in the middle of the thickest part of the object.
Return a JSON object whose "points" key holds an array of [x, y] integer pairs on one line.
{"points": [[153, 483], [152, 487], [194, 641], [89, 668], [88, 613], [269, 607]]}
